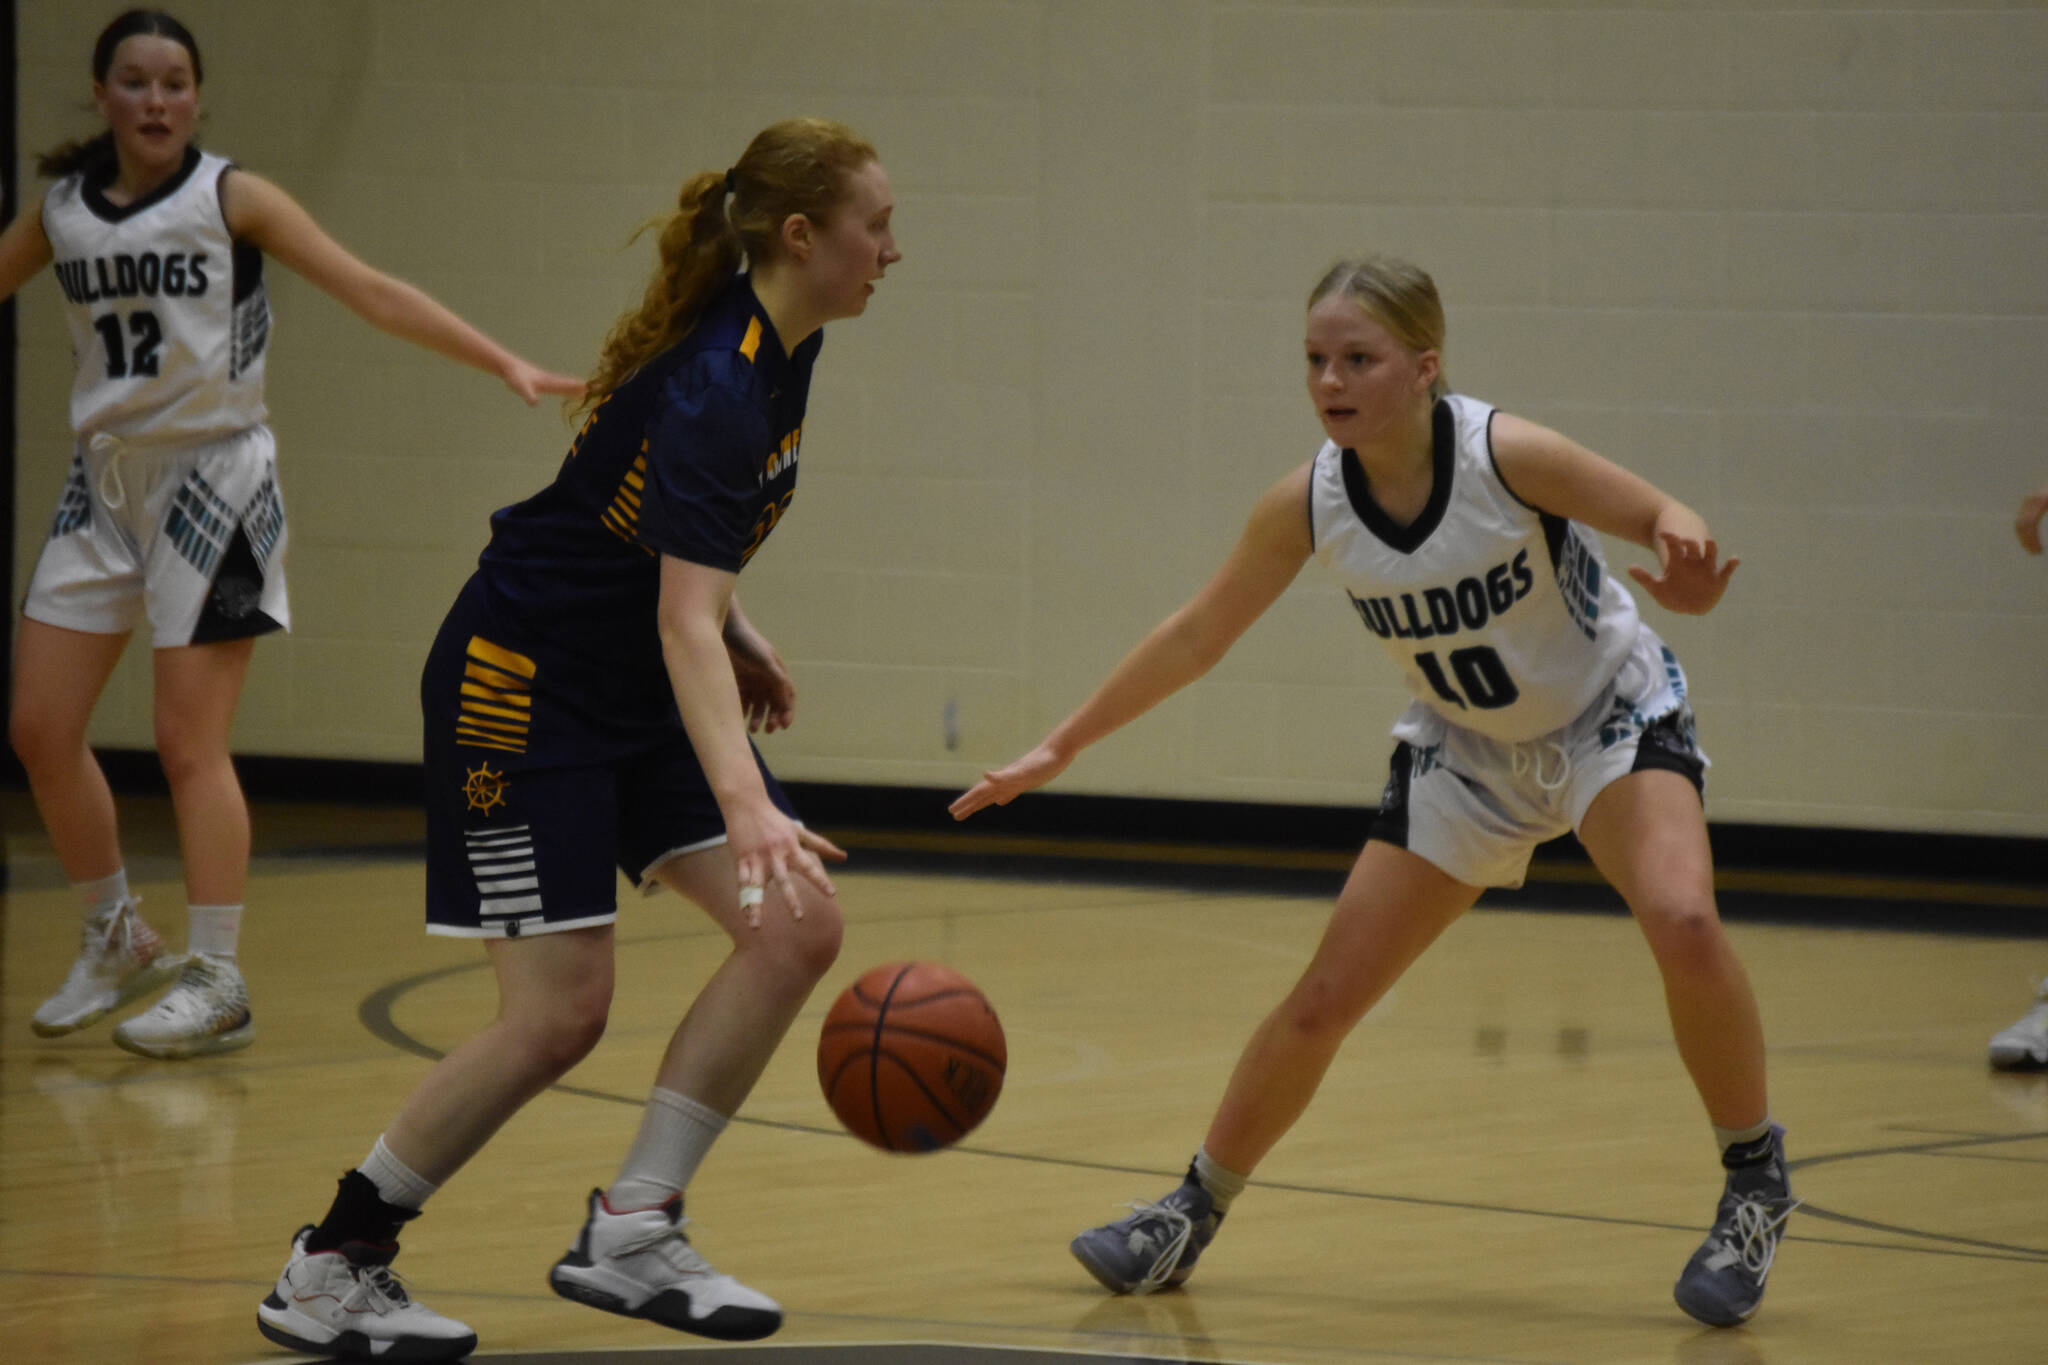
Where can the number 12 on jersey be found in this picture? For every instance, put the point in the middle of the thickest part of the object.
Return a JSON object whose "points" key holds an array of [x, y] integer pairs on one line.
{"points": [[149, 338], [1478, 671]]}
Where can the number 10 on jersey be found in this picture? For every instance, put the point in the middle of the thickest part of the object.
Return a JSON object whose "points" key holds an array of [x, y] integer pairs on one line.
{"points": [[1481, 678]]}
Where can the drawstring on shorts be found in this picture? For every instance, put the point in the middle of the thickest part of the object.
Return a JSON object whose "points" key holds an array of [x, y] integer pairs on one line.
{"points": [[1531, 755], [111, 491]]}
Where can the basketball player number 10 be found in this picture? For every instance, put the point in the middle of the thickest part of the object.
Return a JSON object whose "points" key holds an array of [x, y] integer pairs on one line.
{"points": [[1478, 670]]}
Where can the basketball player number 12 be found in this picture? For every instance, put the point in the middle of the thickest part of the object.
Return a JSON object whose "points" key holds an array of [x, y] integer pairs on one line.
{"points": [[1478, 670]]}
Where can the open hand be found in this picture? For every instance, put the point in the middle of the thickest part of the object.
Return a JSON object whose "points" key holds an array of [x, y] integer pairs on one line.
{"points": [[1004, 785], [1690, 581], [771, 850], [767, 694]]}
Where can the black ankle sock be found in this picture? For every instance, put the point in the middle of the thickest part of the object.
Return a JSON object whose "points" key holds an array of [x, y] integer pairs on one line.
{"points": [[358, 1214], [1742, 1155]]}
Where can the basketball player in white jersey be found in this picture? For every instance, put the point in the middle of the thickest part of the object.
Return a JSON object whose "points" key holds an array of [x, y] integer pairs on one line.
{"points": [[171, 517], [1542, 703], [2023, 1045]]}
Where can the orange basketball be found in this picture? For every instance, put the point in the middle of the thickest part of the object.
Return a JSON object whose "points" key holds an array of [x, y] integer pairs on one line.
{"points": [[911, 1057]]}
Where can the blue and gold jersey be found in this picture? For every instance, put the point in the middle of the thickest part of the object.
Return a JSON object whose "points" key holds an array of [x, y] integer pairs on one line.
{"points": [[694, 456]]}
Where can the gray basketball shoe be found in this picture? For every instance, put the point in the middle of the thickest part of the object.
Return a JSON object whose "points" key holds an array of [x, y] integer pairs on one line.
{"points": [[1154, 1248], [1723, 1283]]}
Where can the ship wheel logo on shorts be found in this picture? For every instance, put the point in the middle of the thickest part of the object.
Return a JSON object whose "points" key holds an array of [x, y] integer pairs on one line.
{"points": [[485, 789]]}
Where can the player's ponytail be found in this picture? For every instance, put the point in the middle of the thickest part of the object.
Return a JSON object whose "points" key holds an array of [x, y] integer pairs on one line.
{"points": [[697, 253], [78, 155], [723, 220], [91, 152]]}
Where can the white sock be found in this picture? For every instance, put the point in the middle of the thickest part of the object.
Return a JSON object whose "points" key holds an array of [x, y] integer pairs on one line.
{"points": [[1223, 1185], [1724, 1138], [213, 929], [1741, 1138], [675, 1133], [105, 897], [396, 1182]]}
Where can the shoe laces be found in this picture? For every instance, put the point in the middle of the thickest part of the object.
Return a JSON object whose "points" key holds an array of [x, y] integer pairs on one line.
{"points": [[1750, 1236], [1173, 1228], [207, 990], [378, 1288], [204, 972], [103, 944], [100, 938]]}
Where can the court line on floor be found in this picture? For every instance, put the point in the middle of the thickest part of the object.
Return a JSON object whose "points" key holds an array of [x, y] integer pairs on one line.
{"points": [[442, 1291], [376, 1013]]}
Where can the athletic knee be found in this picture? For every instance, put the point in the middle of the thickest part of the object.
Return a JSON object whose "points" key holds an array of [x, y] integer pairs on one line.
{"points": [[25, 738], [805, 949], [1320, 1007], [188, 759], [819, 947], [39, 740], [576, 1041], [563, 1034], [1685, 933]]}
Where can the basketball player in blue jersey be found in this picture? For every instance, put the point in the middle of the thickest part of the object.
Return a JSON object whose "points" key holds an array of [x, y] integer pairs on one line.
{"points": [[171, 517], [587, 706], [1542, 703]]}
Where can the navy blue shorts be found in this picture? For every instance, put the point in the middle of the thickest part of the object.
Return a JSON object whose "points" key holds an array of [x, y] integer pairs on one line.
{"points": [[534, 806]]}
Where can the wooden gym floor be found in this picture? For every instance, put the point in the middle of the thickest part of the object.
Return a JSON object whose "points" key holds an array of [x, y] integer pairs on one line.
{"points": [[1505, 1165]]}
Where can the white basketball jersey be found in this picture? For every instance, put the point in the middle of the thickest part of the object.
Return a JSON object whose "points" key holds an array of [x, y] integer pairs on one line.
{"points": [[168, 314], [1503, 619]]}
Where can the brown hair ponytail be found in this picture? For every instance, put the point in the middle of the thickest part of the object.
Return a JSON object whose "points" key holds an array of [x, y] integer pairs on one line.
{"points": [[799, 166]]}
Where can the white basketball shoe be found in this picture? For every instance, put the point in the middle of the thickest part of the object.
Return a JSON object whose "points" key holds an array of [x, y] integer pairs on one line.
{"points": [[207, 1011], [640, 1265], [119, 959], [2024, 1045], [346, 1304]]}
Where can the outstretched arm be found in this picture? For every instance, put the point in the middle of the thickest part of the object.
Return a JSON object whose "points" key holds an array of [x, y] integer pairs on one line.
{"points": [[259, 212], [1557, 474], [24, 249], [1180, 649]]}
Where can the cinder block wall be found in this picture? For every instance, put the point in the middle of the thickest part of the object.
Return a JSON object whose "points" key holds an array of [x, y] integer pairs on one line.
{"points": [[1790, 262]]}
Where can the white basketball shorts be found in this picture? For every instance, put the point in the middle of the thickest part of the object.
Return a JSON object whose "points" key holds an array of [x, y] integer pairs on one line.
{"points": [[1477, 807], [190, 538]]}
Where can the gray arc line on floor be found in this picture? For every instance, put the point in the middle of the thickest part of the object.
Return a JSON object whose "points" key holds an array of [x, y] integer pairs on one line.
{"points": [[375, 1013]]}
